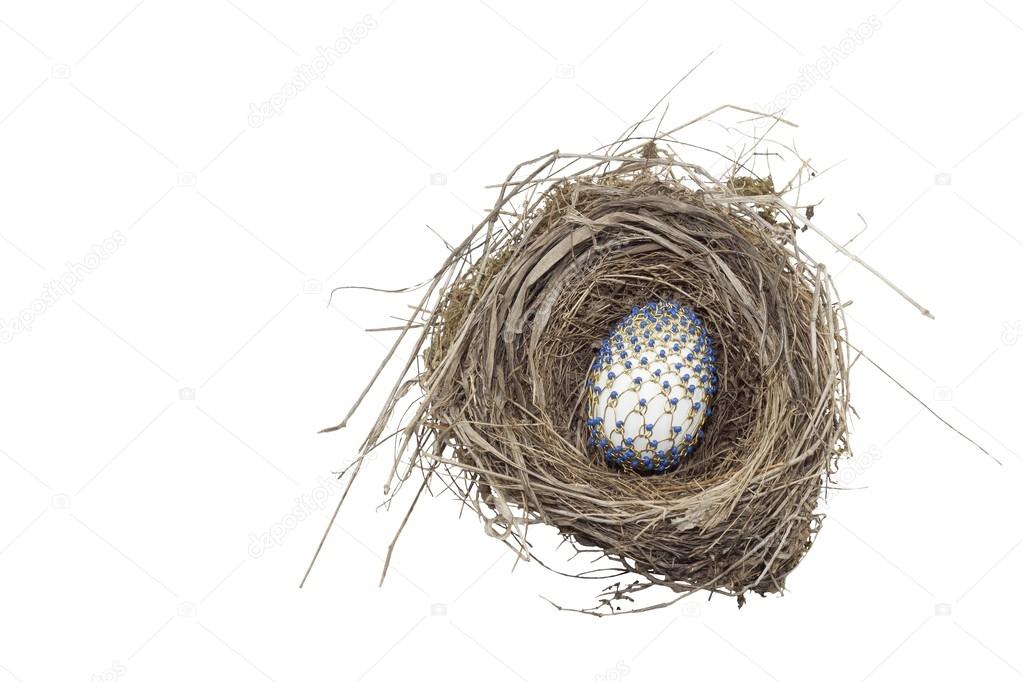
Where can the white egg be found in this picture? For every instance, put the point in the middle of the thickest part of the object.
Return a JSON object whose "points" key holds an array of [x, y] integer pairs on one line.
{"points": [[650, 388]]}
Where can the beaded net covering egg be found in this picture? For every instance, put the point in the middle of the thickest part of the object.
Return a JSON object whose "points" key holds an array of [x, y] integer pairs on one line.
{"points": [[651, 388]]}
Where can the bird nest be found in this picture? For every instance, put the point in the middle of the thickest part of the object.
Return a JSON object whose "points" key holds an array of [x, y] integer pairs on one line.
{"points": [[507, 333]]}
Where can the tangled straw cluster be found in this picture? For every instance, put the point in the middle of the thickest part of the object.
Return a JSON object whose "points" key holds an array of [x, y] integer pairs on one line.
{"points": [[508, 331]]}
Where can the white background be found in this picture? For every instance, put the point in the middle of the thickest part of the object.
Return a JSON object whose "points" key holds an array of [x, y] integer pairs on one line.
{"points": [[159, 418]]}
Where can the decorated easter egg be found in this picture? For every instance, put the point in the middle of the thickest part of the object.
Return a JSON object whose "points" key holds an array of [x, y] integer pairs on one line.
{"points": [[651, 387]]}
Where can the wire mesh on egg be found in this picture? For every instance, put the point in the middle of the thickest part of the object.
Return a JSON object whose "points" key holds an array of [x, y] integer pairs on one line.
{"points": [[507, 331]]}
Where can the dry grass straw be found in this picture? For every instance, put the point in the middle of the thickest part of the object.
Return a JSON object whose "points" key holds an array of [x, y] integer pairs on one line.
{"points": [[508, 327]]}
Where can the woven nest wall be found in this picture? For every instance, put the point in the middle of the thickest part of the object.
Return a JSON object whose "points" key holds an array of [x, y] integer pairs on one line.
{"points": [[508, 329]]}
